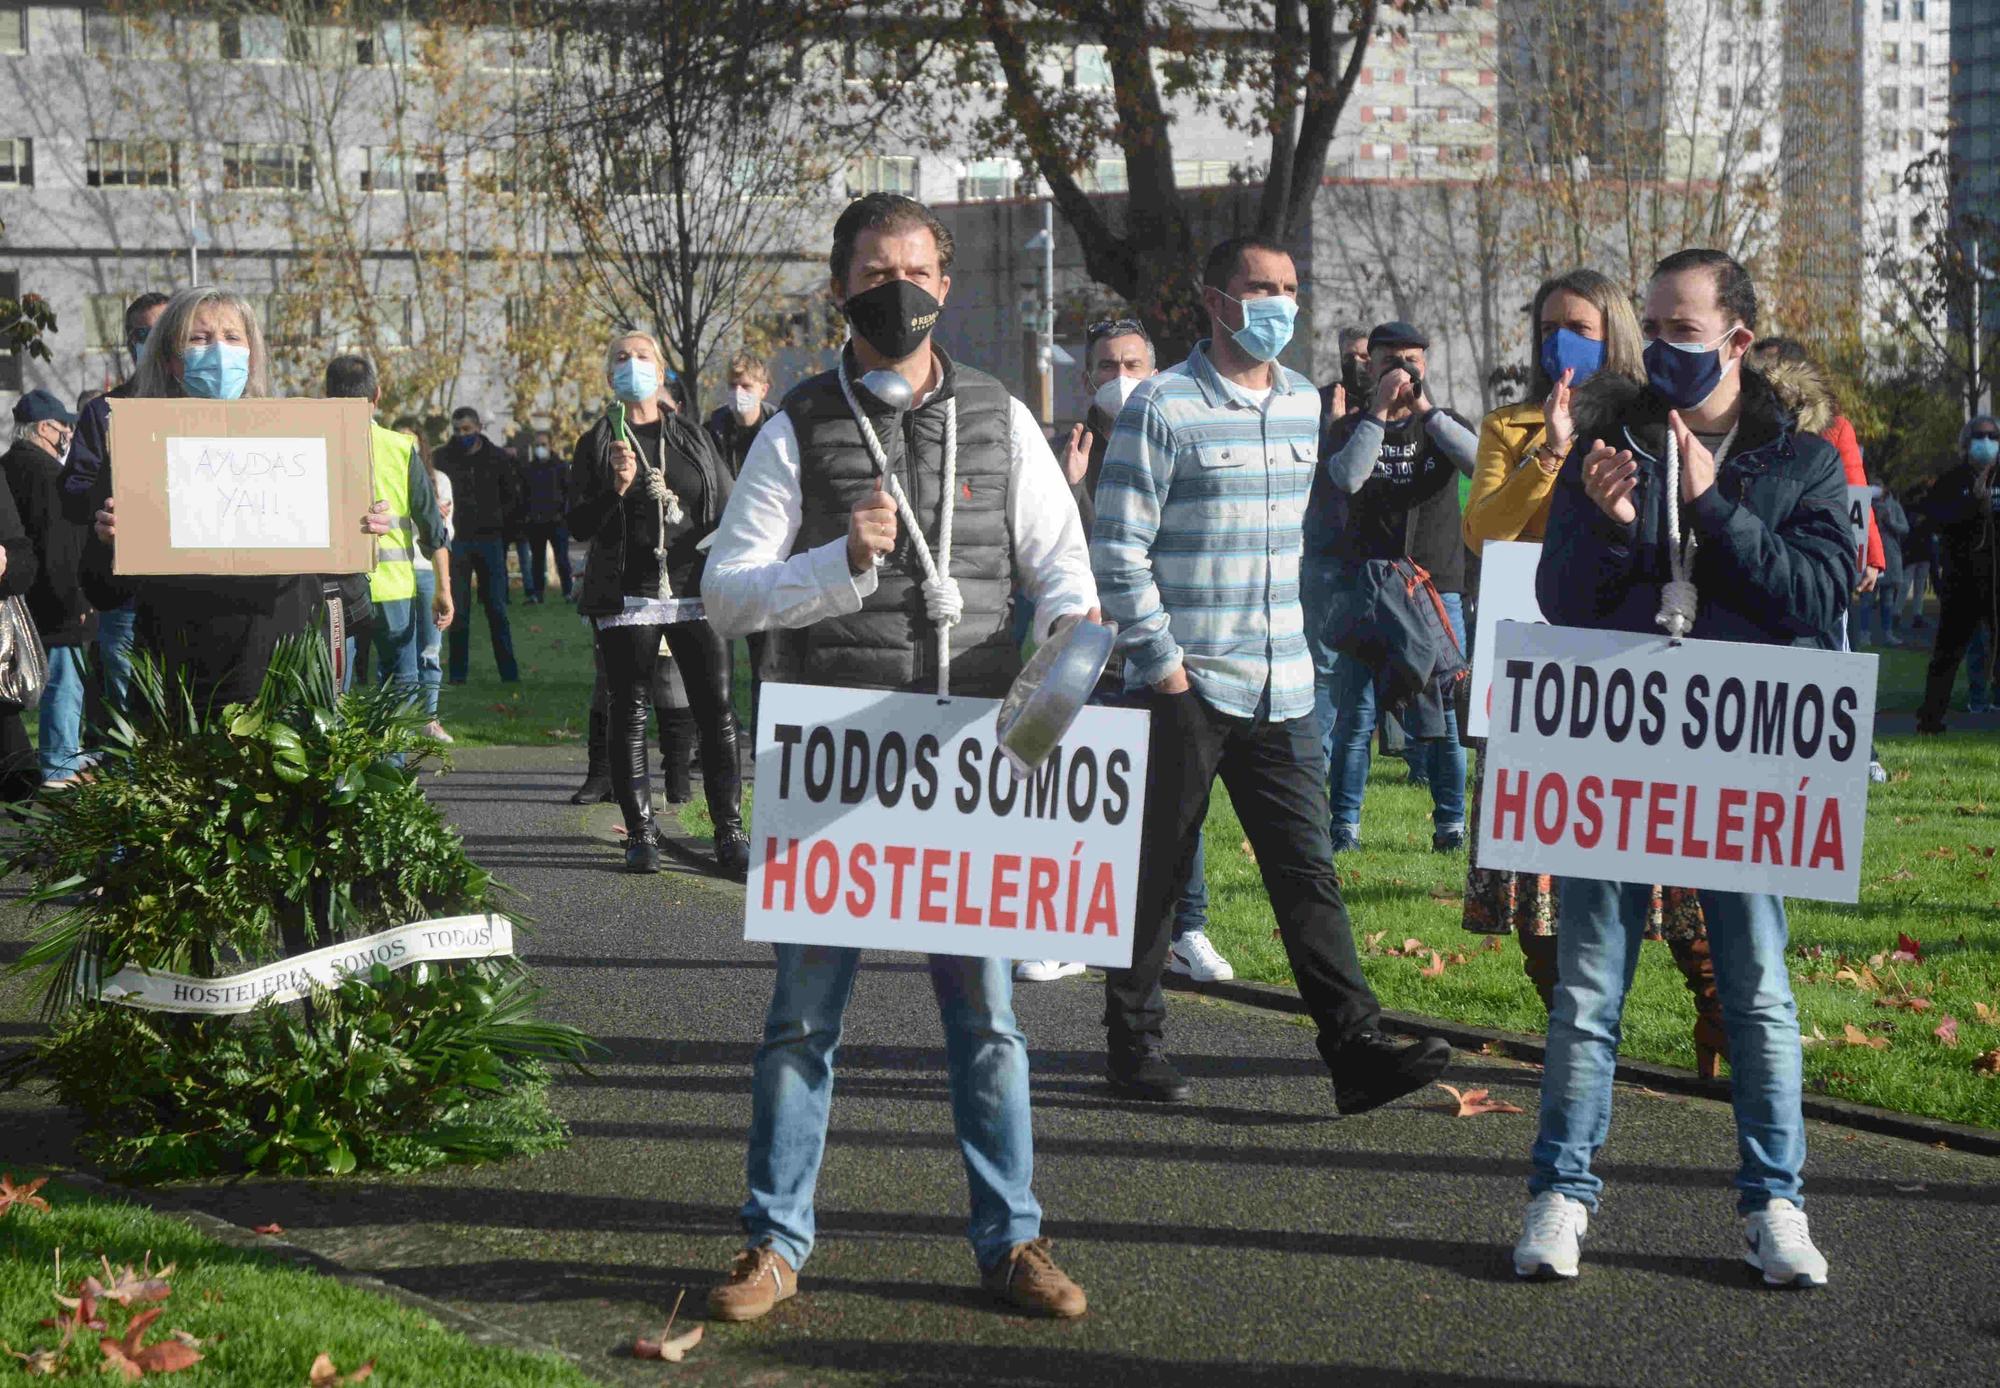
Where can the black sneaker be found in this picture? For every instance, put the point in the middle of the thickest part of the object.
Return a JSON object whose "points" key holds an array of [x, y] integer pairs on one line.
{"points": [[732, 854], [1374, 1069], [642, 854], [1447, 840], [1144, 1072]]}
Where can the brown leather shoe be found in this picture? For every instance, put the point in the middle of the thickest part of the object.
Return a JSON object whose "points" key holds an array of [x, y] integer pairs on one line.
{"points": [[758, 1280], [1029, 1280]]}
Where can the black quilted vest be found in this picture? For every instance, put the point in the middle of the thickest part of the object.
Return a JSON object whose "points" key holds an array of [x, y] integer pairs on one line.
{"points": [[890, 643]]}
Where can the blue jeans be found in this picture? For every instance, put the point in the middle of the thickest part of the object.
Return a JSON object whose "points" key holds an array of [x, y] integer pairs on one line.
{"points": [[399, 640], [430, 669], [114, 649], [1879, 609], [1599, 925], [59, 725], [792, 1091], [488, 559], [1441, 758], [1319, 580], [1191, 907]]}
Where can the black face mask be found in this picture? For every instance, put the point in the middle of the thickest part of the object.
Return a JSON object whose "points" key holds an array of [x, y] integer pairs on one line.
{"points": [[894, 317], [1354, 376]]}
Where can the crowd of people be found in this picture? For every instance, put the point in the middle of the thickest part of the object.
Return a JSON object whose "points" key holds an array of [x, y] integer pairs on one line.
{"points": [[1234, 520]]}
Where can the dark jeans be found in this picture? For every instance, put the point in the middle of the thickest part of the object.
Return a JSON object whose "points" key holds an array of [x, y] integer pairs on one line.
{"points": [[535, 574], [489, 559], [631, 655], [1967, 604], [1275, 774]]}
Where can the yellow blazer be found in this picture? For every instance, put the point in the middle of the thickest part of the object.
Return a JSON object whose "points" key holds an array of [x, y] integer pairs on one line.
{"points": [[1510, 493]]}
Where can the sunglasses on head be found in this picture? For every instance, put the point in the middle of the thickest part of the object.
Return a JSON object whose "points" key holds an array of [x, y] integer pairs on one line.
{"points": [[1112, 327]]}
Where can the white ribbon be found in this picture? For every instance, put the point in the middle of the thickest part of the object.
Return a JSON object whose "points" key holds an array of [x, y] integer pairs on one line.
{"points": [[452, 937], [655, 612]]}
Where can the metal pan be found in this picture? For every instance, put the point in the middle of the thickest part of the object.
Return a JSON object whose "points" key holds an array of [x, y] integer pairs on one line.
{"points": [[1047, 695]]}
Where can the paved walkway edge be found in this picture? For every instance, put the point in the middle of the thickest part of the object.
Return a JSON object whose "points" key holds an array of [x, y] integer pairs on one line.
{"points": [[481, 1332], [1524, 1046]]}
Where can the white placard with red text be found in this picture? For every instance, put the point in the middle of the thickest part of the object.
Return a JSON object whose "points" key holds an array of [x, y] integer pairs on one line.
{"points": [[1860, 501], [893, 821], [1506, 594], [1710, 764]]}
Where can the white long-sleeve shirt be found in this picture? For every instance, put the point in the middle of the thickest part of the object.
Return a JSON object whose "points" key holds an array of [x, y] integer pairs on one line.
{"points": [[754, 582]]}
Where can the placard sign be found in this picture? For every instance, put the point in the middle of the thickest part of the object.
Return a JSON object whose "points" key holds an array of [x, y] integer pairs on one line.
{"points": [[1709, 764], [893, 821], [1860, 501], [1506, 594], [241, 487]]}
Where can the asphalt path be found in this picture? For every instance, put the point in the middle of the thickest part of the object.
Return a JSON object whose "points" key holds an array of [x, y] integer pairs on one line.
{"points": [[1250, 1236]]}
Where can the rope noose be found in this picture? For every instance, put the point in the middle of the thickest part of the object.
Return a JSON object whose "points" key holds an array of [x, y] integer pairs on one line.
{"points": [[1679, 599]]}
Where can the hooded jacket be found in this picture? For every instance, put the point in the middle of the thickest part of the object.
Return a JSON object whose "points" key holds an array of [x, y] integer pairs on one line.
{"points": [[1775, 561]]}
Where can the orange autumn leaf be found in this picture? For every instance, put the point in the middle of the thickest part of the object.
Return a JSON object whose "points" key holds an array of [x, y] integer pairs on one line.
{"points": [[1434, 969], [12, 1195], [672, 1351], [324, 1374], [134, 1359], [1984, 1013], [1855, 1036], [1473, 1102], [272, 1229]]}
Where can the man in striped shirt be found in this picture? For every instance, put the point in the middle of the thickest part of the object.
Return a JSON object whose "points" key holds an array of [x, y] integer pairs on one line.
{"points": [[1196, 552]]}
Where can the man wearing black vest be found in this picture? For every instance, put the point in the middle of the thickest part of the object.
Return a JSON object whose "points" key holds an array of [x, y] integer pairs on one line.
{"points": [[810, 548]]}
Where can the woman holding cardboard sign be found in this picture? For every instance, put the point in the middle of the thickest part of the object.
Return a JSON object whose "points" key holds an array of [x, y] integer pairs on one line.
{"points": [[215, 633], [646, 489], [1583, 324]]}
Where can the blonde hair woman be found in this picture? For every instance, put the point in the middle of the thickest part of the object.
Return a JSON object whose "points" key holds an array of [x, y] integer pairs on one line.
{"points": [[1582, 326], [215, 633]]}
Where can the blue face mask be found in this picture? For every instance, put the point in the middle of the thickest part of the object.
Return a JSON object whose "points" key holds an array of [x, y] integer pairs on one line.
{"points": [[1985, 451], [1563, 350], [216, 370], [634, 380], [1685, 373], [1267, 325]]}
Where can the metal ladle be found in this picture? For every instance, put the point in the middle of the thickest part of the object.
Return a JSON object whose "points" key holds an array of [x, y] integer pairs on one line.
{"points": [[890, 388]]}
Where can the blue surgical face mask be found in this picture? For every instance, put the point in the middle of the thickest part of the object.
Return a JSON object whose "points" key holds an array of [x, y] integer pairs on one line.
{"points": [[216, 370], [1563, 350], [1985, 451], [1685, 373], [634, 380], [1267, 324]]}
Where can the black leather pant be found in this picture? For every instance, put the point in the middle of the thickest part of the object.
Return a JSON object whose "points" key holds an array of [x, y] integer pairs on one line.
{"points": [[630, 656]]}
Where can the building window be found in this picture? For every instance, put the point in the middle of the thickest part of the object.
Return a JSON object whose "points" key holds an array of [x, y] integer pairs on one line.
{"points": [[1725, 98], [1918, 10], [401, 171], [288, 167], [987, 179], [1892, 98], [253, 39], [1890, 55], [1092, 71], [1202, 173], [1725, 54], [1889, 142], [882, 173], [131, 164], [13, 29], [1105, 175], [393, 42], [1917, 54], [395, 321], [105, 35], [1753, 140], [1891, 11], [639, 173], [17, 163]]}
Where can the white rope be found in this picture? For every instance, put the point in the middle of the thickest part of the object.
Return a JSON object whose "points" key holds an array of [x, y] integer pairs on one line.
{"points": [[1678, 598], [944, 604]]}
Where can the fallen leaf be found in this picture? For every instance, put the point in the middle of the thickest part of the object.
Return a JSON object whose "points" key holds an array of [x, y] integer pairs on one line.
{"points": [[1907, 951], [1941, 851], [1989, 1063], [1248, 851], [1818, 1037], [36, 1362], [1947, 1030], [1984, 1013], [673, 1351], [1899, 875], [1413, 946], [128, 1285], [323, 1374], [1375, 940], [134, 1359], [1493, 1048], [195, 1341], [1473, 1102], [12, 1195], [272, 1229], [1855, 1036], [1494, 945], [1908, 1003], [1876, 961], [1862, 978], [1906, 819], [1434, 969]]}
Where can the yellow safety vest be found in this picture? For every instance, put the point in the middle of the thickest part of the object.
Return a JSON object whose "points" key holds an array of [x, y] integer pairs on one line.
{"points": [[394, 577]]}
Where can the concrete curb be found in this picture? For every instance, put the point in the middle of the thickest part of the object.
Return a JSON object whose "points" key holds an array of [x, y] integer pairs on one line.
{"points": [[481, 1332], [1522, 1046]]}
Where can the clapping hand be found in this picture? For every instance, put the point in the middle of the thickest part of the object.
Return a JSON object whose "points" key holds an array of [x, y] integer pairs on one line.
{"points": [[1609, 477], [1697, 463], [1556, 416], [1076, 459]]}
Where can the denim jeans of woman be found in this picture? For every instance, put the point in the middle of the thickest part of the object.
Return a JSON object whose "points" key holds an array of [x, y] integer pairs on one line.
{"points": [[1598, 934], [1442, 758], [430, 665]]}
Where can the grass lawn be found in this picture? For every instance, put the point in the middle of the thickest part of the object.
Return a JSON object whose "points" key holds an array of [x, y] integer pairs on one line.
{"points": [[264, 1322]]}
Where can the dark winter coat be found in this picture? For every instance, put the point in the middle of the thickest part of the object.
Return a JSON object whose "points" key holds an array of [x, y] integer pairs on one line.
{"points": [[1776, 560], [485, 488], [733, 437], [596, 511], [62, 613], [1964, 521]]}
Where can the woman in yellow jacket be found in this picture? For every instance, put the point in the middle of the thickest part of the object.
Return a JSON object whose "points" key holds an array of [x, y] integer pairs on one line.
{"points": [[1583, 324]]}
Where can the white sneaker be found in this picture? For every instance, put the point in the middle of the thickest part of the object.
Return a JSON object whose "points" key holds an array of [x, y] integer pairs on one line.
{"points": [[1193, 956], [1776, 1243], [1551, 1231], [1877, 772], [1043, 970], [434, 730]]}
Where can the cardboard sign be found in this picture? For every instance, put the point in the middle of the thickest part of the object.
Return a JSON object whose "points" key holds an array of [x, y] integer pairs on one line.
{"points": [[1506, 594], [893, 821], [1714, 764], [241, 487], [1860, 500]]}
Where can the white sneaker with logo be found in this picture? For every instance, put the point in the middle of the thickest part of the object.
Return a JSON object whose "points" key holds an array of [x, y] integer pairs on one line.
{"points": [[1777, 1243], [1192, 956], [1043, 970], [1551, 1232]]}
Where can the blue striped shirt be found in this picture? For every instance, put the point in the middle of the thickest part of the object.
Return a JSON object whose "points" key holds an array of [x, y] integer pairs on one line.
{"points": [[1196, 547]]}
